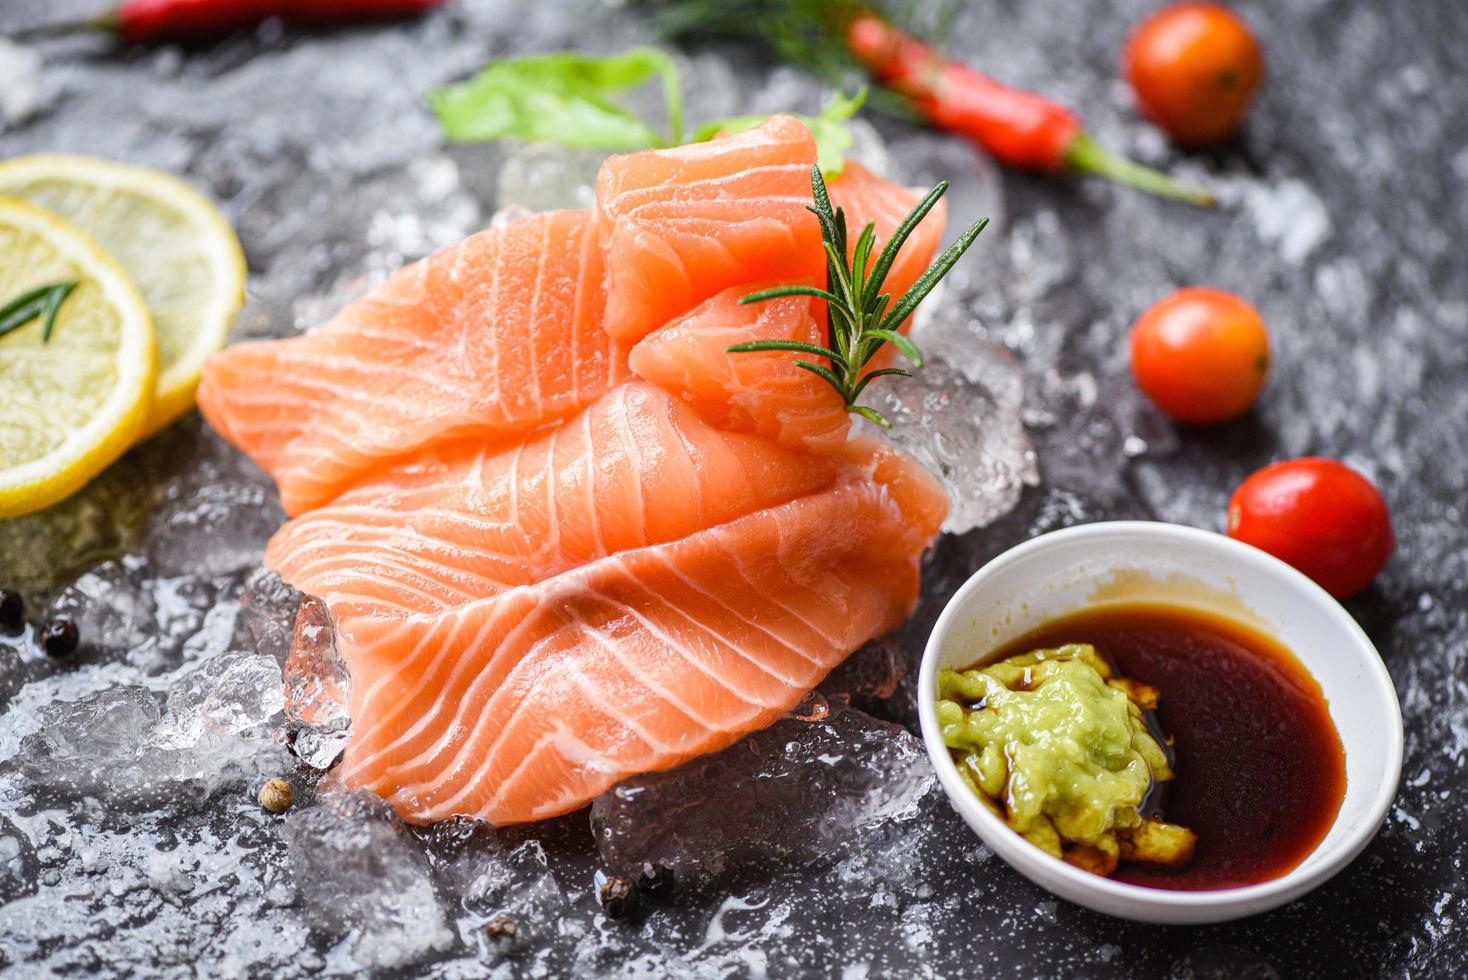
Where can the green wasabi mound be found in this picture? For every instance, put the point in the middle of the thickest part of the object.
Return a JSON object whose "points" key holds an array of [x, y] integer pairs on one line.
{"points": [[1058, 747]]}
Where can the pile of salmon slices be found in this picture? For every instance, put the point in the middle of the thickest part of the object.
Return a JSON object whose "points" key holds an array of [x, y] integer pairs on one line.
{"points": [[563, 534]]}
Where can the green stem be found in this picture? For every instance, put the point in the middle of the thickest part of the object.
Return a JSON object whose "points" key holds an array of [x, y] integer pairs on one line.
{"points": [[1087, 156]]}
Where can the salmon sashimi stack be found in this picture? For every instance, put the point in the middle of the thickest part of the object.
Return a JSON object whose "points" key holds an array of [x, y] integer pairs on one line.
{"points": [[563, 534], [731, 598], [489, 338]]}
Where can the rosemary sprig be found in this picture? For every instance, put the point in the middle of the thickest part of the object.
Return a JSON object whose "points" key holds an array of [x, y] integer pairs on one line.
{"points": [[860, 318], [43, 301]]}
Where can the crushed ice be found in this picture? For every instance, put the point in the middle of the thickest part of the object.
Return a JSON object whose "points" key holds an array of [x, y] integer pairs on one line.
{"points": [[363, 884], [805, 788]]}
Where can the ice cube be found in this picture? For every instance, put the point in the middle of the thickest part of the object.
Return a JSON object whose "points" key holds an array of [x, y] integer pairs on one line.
{"points": [[318, 684], [519, 885], [125, 607], [216, 517], [798, 791], [268, 608], [216, 725], [512, 905], [216, 527], [960, 417], [547, 176], [93, 744], [363, 883], [18, 868], [238, 693]]}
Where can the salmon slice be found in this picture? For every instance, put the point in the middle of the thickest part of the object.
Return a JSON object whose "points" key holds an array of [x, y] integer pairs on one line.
{"points": [[487, 339], [530, 702], [460, 523], [679, 225], [870, 199], [762, 393]]}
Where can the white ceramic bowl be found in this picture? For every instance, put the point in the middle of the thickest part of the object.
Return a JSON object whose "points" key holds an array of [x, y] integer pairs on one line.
{"points": [[1120, 561]]}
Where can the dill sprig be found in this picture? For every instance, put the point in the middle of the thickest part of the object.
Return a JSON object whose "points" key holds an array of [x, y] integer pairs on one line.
{"points": [[44, 301], [860, 318]]}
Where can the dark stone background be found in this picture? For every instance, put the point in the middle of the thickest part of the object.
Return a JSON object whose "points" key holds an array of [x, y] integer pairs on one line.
{"points": [[1345, 202]]}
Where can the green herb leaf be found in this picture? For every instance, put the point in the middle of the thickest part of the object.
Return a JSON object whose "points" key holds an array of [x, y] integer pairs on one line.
{"points": [[859, 321], [906, 347], [565, 98], [44, 301], [929, 279], [871, 376], [793, 345], [779, 291], [871, 414], [833, 137]]}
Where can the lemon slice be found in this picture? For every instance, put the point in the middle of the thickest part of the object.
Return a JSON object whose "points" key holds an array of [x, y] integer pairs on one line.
{"points": [[177, 247], [72, 404]]}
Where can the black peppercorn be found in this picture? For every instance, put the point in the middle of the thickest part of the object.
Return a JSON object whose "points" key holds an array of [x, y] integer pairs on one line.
{"points": [[12, 609], [619, 897], [59, 638], [655, 880]]}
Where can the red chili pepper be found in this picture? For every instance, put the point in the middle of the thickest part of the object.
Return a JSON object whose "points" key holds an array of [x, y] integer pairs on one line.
{"points": [[143, 21], [146, 21], [1021, 129]]}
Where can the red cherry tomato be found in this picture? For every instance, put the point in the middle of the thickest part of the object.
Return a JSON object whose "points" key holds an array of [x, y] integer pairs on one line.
{"points": [[1194, 67], [1200, 354], [1318, 515]]}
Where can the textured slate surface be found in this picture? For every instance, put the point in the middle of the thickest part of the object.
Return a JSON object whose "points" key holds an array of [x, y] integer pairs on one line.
{"points": [[1344, 206]]}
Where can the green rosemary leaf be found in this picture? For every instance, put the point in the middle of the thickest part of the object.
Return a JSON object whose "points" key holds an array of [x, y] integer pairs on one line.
{"points": [[834, 381], [860, 256], [900, 233], [870, 414], [847, 290], [43, 301], [876, 306], [871, 376], [779, 291], [828, 222], [819, 192], [907, 348], [929, 279], [839, 331], [795, 345]]}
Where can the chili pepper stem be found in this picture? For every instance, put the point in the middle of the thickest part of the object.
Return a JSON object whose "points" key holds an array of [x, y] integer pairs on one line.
{"points": [[1085, 155]]}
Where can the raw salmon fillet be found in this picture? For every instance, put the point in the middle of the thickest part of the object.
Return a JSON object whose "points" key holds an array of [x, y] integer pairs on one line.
{"points": [[679, 225], [563, 534], [533, 699], [486, 339], [760, 392]]}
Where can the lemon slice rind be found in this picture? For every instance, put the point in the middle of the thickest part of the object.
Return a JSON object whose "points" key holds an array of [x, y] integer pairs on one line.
{"points": [[184, 340], [119, 418]]}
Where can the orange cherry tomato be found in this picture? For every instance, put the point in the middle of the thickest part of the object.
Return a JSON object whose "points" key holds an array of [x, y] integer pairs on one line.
{"points": [[1193, 67], [1318, 515], [1200, 354]]}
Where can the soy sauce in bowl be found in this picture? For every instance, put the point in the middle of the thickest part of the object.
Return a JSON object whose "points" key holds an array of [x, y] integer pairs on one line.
{"points": [[1260, 771]]}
